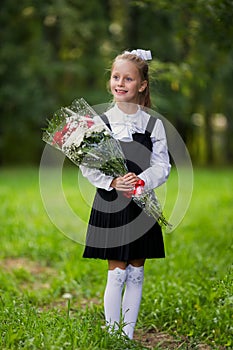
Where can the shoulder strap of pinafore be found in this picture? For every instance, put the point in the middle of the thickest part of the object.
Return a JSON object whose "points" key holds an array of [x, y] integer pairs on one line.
{"points": [[105, 120], [151, 124]]}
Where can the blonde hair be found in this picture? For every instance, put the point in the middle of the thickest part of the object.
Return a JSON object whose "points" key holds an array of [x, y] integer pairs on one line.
{"points": [[143, 69]]}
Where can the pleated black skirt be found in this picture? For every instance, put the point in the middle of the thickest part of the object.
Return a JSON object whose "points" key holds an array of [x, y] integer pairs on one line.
{"points": [[119, 230]]}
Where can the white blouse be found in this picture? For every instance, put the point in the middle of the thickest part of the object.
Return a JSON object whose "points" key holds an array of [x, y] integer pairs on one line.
{"points": [[123, 127]]}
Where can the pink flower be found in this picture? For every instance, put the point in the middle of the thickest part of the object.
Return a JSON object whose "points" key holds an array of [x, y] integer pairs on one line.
{"points": [[58, 138], [65, 129], [89, 121]]}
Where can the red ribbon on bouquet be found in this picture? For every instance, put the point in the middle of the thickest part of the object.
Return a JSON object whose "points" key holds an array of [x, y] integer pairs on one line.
{"points": [[137, 191]]}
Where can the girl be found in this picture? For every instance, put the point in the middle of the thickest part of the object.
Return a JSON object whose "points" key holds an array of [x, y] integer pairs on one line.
{"points": [[119, 231]]}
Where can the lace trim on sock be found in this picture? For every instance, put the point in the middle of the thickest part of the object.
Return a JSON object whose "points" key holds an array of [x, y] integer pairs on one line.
{"points": [[135, 274]]}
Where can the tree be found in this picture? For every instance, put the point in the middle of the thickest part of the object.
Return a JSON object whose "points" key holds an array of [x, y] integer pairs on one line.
{"points": [[50, 55], [54, 51]]}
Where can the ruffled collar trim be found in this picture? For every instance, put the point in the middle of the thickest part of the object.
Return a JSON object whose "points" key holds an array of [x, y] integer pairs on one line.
{"points": [[125, 125]]}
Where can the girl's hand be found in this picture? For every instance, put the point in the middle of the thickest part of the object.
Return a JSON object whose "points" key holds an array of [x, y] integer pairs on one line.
{"points": [[125, 183]]}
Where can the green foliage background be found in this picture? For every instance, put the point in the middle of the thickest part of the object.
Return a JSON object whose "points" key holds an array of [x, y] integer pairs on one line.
{"points": [[55, 51]]}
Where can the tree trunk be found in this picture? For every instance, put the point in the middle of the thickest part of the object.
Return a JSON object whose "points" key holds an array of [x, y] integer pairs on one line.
{"points": [[132, 28], [209, 140]]}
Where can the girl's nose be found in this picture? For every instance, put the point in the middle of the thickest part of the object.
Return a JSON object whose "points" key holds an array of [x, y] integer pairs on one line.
{"points": [[120, 82]]}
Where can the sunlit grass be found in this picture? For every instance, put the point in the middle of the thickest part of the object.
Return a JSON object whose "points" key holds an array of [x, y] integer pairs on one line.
{"points": [[188, 294]]}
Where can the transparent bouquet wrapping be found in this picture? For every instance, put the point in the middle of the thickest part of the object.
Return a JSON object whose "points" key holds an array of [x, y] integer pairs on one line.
{"points": [[79, 133], [151, 206]]}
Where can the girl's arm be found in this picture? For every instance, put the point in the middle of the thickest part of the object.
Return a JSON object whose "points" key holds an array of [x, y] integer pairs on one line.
{"points": [[97, 178], [160, 167]]}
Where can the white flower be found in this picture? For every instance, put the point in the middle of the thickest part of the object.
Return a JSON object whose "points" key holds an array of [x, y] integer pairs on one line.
{"points": [[67, 296], [75, 138], [96, 128]]}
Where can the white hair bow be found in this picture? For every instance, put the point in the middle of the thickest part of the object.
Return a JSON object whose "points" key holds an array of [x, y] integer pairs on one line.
{"points": [[143, 54]]}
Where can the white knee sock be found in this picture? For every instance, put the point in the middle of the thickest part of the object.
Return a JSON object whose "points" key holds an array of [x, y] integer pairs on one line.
{"points": [[113, 296], [132, 298]]}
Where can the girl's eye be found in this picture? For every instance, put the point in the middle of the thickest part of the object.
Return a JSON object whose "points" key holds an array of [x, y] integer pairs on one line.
{"points": [[129, 79], [115, 77]]}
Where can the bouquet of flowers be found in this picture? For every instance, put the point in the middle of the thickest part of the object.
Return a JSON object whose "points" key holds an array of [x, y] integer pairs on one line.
{"points": [[80, 133]]}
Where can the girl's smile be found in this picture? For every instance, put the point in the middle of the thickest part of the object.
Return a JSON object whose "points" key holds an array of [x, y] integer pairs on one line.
{"points": [[126, 82]]}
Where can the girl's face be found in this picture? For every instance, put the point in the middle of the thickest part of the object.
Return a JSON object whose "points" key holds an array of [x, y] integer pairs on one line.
{"points": [[125, 82]]}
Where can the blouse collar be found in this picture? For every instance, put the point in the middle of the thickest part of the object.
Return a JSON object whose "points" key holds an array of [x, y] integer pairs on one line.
{"points": [[124, 125]]}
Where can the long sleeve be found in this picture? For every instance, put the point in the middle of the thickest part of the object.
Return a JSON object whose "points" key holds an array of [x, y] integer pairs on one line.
{"points": [[123, 127], [160, 167], [97, 178]]}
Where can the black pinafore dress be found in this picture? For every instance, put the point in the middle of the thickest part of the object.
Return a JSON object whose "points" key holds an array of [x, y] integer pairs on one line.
{"points": [[118, 229]]}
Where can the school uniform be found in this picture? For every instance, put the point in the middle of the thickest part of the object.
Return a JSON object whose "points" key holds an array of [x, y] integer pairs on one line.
{"points": [[118, 229]]}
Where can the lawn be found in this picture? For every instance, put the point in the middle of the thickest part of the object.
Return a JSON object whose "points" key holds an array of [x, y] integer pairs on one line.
{"points": [[51, 298]]}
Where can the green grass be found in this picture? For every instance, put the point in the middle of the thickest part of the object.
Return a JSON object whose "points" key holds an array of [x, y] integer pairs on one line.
{"points": [[188, 295]]}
